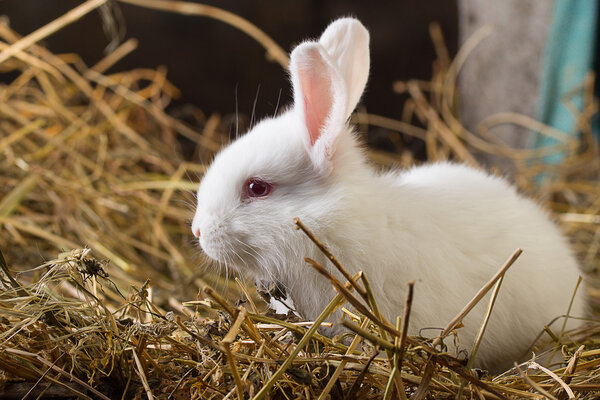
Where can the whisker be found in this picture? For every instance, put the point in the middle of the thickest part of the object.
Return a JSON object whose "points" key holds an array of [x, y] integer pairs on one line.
{"points": [[187, 203], [254, 106], [236, 112], [259, 258], [277, 105]]}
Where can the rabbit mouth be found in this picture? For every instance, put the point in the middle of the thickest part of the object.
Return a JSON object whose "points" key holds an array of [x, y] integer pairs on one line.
{"points": [[230, 253], [214, 249]]}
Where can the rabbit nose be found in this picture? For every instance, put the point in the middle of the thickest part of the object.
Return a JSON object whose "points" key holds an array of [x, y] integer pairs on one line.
{"points": [[197, 233]]}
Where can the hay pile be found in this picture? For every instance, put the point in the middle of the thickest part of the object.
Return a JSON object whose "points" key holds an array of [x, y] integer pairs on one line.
{"points": [[63, 336], [91, 169]]}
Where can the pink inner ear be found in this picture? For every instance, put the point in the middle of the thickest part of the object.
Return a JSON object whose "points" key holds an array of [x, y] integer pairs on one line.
{"points": [[311, 120], [316, 90]]}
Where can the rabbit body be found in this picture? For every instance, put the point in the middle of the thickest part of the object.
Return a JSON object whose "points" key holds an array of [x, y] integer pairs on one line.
{"points": [[446, 226]]}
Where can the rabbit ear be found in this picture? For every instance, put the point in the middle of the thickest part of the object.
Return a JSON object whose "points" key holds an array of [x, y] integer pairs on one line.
{"points": [[320, 97], [346, 40], [329, 78]]}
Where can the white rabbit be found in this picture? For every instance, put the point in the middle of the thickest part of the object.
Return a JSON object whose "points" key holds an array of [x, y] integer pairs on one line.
{"points": [[449, 227]]}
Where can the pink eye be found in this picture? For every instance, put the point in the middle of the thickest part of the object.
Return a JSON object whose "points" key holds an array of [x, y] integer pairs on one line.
{"points": [[255, 187]]}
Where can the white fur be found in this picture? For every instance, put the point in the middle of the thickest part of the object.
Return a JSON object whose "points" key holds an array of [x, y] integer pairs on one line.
{"points": [[446, 226]]}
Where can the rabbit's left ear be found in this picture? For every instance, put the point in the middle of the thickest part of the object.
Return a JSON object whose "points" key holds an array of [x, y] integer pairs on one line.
{"points": [[346, 41], [328, 78]]}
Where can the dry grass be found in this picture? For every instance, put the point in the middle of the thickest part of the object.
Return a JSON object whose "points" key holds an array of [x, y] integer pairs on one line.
{"points": [[91, 168]]}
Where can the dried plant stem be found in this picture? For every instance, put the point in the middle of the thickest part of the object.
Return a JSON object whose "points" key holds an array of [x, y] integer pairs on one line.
{"points": [[188, 8], [569, 371], [331, 257], [479, 337], [427, 377], [154, 110], [429, 114], [572, 365], [244, 290], [364, 310], [15, 196], [200, 339], [564, 324], [389, 123], [406, 318], [21, 133], [488, 313], [422, 389], [141, 374], [219, 299], [116, 55], [20, 290], [371, 337], [48, 29], [83, 85], [297, 329], [482, 292], [522, 120], [358, 382], [340, 368], [566, 387], [395, 377], [533, 384], [248, 326], [71, 390], [58, 241], [57, 369], [235, 328], [373, 304], [226, 342], [333, 304], [40, 379], [35, 62], [401, 342], [437, 38], [236, 374]]}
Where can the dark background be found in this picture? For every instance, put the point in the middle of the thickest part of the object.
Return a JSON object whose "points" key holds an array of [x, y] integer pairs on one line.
{"points": [[212, 63]]}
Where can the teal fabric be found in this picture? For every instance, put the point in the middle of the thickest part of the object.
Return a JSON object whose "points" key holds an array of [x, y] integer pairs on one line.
{"points": [[569, 55]]}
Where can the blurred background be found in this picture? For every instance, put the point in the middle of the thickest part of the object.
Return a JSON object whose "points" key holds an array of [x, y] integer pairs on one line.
{"points": [[509, 85], [211, 61], [220, 69], [110, 111]]}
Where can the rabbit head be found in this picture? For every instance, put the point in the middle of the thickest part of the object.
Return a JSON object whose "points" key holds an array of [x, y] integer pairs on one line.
{"points": [[294, 165]]}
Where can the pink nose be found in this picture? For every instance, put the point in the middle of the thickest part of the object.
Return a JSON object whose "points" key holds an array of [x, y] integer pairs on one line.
{"points": [[197, 233]]}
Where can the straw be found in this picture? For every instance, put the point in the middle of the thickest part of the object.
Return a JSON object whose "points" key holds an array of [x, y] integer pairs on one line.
{"points": [[100, 272]]}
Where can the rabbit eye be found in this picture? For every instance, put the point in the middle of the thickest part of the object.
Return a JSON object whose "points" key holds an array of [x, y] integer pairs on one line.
{"points": [[255, 187]]}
